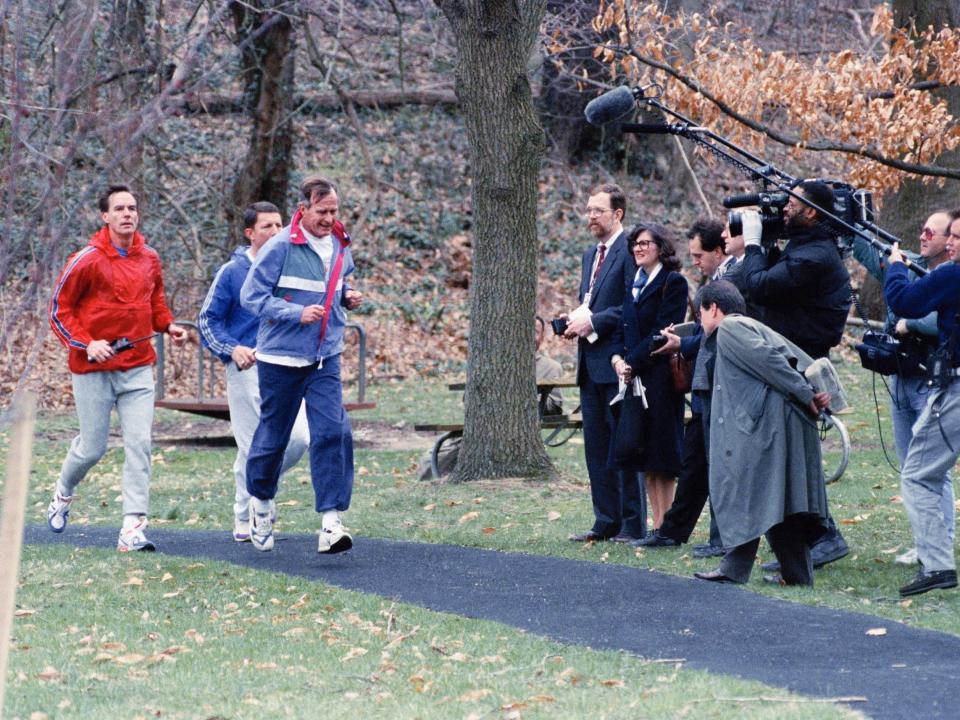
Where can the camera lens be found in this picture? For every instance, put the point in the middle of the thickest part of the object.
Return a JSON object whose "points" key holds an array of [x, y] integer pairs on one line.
{"points": [[735, 223]]}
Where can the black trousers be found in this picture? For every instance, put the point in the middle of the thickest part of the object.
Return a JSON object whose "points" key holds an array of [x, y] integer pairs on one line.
{"points": [[787, 543], [693, 487], [619, 499]]}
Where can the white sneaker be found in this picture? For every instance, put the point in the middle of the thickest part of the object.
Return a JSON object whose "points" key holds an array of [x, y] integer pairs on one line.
{"points": [[261, 528], [910, 557], [334, 539], [58, 511], [241, 530], [133, 539]]}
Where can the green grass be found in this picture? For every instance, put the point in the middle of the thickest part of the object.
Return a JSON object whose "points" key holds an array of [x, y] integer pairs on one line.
{"points": [[193, 487], [101, 635]]}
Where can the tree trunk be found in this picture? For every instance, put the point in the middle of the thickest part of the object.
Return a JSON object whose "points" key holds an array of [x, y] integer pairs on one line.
{"points": [[905, 211], [267, 73], [495, 39], [128, 41]]}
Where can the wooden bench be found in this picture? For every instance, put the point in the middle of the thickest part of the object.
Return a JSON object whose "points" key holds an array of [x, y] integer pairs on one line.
{"points": [[560, 429], [216, 407]]}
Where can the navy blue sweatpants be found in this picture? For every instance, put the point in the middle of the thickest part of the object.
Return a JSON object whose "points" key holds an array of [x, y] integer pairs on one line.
{"points": [[331, 440]]}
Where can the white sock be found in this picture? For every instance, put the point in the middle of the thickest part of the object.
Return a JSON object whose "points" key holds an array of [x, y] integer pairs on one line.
{"points": [[132, 520], [331, 518], [260, 506], [61, 492]]}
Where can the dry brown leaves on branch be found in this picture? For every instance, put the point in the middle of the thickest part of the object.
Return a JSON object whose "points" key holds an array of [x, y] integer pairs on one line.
{"points": [[863, 104]]}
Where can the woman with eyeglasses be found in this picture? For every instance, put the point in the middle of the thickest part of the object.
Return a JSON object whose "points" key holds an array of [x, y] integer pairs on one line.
{"points": [[656, 297]]}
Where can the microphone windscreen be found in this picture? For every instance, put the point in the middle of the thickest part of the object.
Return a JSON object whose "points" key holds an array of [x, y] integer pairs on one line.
{"points": [[610, 106]]}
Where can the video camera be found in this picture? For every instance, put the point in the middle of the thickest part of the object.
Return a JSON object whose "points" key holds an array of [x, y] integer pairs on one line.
{"points": [[851, 205]]}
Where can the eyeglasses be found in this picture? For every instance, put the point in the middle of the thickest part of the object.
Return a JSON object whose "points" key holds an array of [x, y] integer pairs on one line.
{"points": [[596, 212], [642, 244], [928, 233]]}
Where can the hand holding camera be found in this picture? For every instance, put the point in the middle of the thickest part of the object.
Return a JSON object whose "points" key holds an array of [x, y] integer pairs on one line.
{"points": [[752, 227], [559, 325]]}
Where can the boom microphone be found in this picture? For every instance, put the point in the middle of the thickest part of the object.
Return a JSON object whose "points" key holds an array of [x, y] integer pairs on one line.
{"points": [[610, 106], [650, 128]]}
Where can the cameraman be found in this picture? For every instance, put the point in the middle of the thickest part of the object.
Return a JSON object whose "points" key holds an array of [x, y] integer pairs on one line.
{"points": [[908, 389], [804, 294], [935, 445], [805, 290]]}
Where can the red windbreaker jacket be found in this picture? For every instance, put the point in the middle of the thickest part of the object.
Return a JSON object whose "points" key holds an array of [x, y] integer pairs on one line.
{"points": [[103, 295]]}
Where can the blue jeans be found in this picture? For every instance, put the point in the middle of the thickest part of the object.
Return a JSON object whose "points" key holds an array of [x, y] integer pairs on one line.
{"points": [[909, 397], [282, 389], [923, 480]]}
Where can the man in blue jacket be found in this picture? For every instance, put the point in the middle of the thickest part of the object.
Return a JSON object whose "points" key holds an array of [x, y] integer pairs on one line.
{"points": [[908, 389], [230, 332], [297, 288], [935, 444]]}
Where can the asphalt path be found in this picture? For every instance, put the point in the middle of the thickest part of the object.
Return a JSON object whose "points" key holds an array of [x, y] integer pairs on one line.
{"points": [[814, 651]]}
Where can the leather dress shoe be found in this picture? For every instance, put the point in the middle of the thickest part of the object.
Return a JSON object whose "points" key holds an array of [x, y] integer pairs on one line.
{"points": [[714, 576], [830, 549], [588, 536], [924, 582], [708, 550], [625, 538], [655, 539]]}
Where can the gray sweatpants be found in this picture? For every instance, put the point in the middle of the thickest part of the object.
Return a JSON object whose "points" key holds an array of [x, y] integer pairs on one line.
{"points": [[95, 395], [924, 476], [243, 399]]}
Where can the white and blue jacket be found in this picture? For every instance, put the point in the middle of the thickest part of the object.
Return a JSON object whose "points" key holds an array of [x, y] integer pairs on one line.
{"points": [[223, 321], [286, 277]]}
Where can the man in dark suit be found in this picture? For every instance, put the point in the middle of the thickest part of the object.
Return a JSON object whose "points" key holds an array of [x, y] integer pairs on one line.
{"points": [[618, 499]]}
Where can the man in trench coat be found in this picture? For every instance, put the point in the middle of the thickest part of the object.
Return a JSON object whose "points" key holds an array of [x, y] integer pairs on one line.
{"points": [[764, 448]]}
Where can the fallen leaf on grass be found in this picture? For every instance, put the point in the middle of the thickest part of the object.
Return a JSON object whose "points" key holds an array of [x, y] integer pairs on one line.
{"points": [[266, 666], [877, 631], [133, 580], [467, 517], [23, 612], [452, 503], [194, 635], [354, 653], [166, 576], [173, 594], [896, 500], [431, 506], [130, 659], [891, 551], [50, 674], [488, 530], [553, 515], [474, 695], [612, 683], [289, 503]]}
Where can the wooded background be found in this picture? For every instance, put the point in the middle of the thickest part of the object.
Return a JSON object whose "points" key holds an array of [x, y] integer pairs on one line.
{"points": [[455, 131]]}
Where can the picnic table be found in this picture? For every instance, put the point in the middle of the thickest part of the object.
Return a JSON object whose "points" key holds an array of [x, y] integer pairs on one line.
{"points": [[558, 428]]}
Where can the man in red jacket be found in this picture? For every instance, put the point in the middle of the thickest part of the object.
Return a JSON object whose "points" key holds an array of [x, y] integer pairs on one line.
{"points": [[106, 307]]}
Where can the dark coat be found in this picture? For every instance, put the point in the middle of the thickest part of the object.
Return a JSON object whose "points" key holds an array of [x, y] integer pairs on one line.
{"points": [[764, 447], [662, 302], [606, 301], [805, 293]]}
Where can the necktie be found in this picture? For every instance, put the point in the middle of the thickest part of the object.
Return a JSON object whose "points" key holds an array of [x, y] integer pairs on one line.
{"points": [[603, 251], [639, 282]]}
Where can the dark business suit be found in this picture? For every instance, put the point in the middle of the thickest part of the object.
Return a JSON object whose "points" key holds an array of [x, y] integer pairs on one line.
{"points": [[619, 502]]}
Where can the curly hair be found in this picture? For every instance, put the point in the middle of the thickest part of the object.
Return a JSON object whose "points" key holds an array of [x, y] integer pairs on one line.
{"points": [[662, 237]]}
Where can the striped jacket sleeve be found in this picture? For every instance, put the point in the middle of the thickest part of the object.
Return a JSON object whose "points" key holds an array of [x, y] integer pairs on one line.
{"points": [[212, 319], [70, 287]]}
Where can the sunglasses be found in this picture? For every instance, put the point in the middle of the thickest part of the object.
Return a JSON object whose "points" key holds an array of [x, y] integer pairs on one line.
{"points": [[928, 233]]}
